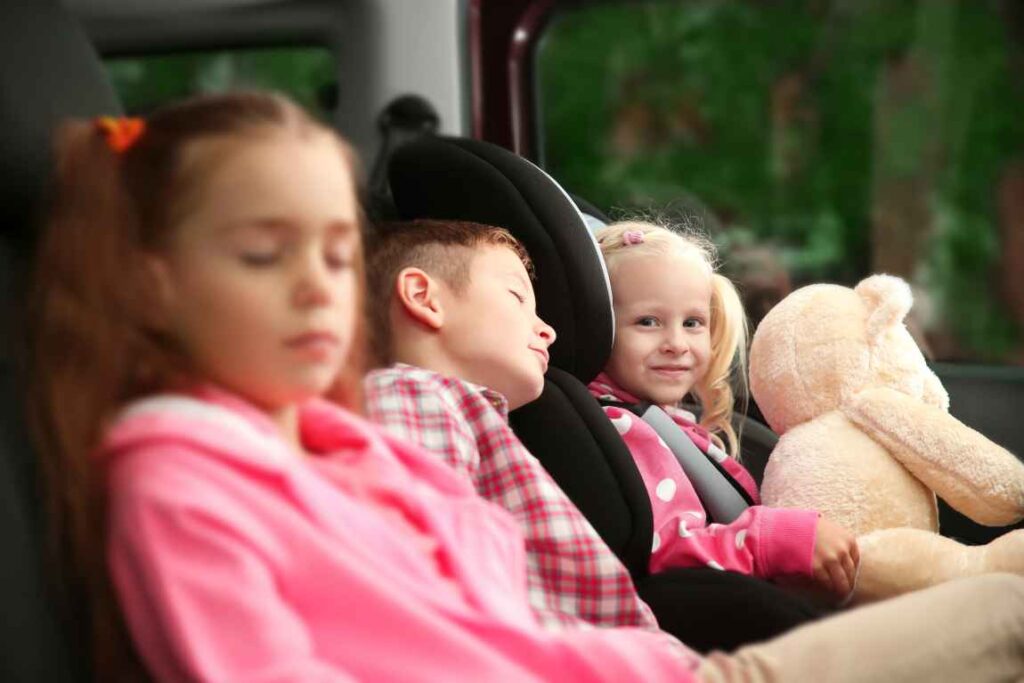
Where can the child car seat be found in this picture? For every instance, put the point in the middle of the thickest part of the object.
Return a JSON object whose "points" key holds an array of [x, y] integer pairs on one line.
{"points": [[566, 428], [48, 71]]}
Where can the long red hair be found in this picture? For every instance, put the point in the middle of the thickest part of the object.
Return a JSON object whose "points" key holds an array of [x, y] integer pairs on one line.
{"points": [[92, 350]]}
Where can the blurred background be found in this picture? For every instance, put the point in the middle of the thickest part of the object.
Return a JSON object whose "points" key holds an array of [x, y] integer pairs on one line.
{"points": [[816, 140]]}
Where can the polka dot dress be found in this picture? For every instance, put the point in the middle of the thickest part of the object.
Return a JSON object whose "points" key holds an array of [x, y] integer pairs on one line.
{"points": [[682, 536]]}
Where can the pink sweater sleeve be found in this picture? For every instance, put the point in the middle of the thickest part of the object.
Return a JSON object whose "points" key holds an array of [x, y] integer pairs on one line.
{"points": [[200, 603], [762, 542]]}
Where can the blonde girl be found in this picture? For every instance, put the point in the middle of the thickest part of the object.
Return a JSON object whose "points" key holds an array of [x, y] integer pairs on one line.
{"points": [[681, 330]]}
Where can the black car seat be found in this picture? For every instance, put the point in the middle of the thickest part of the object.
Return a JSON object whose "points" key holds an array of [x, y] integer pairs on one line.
{"points": [[48, 71], [566, 428], [984, 400], [404, 118], [593, 217]]}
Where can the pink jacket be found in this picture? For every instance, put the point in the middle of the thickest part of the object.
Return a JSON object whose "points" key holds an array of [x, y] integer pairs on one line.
{"points": [[236, 559], [762, 542]]}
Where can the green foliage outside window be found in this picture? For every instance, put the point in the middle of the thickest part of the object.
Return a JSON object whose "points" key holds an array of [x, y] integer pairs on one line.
{"points": [[307, 74], [847, 137]]}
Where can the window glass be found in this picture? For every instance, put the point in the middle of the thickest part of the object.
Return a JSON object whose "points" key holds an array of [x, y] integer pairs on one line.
{"points": [[307, 74], [817, 140]]}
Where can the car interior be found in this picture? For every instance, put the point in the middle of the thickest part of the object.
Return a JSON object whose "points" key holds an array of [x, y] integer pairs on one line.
{"points": [[437, 99]]}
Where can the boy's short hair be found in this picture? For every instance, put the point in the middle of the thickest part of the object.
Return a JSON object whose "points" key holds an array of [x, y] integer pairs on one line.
{"points": [[444, 249]]}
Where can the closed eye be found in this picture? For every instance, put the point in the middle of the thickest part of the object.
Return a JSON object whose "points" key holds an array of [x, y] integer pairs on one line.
{"points": [[337, 261], [339, 251], [259, 259], [517, 295]]}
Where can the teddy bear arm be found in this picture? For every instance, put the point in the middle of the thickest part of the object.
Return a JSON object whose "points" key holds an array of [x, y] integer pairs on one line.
{"points": [[971, 473]]}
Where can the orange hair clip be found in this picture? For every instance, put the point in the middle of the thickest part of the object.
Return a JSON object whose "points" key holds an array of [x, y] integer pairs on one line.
{"points": [[121, 132]]}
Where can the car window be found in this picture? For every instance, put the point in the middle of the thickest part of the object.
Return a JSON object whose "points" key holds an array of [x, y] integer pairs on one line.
{"points": [[307, 74], [816, 140]]}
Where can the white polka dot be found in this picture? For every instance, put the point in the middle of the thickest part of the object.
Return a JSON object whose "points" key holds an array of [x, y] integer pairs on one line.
{"points": [[717, 453], [715, 565], [656, 543], [662, 442], [665, 490], [741, 538], [694, 513], [622, 423], [683, 531]]}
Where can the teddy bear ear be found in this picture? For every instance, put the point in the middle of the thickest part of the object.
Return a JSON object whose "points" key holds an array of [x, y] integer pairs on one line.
{"points": [[888, 298]]}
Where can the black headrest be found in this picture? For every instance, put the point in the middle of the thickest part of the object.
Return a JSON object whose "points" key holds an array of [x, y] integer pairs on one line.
{"points": [[476, 181], [49, 71]]}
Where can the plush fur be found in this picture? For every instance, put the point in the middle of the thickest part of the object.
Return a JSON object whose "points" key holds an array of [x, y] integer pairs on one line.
{"points": [[867, 439]]}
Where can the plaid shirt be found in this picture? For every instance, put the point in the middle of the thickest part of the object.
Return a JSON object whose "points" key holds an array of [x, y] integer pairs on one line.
{"points": [[572, 574]]}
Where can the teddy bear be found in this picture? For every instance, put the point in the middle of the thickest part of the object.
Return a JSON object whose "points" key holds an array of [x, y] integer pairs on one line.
{"points": [[866, 438]]}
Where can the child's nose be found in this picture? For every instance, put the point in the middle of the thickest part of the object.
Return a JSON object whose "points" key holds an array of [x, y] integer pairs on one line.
{"points": [[546, 332], [313, 284], [675, 341]]}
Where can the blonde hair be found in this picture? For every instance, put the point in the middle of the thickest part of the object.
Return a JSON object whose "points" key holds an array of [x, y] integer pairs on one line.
{"points": [[728, 325]]}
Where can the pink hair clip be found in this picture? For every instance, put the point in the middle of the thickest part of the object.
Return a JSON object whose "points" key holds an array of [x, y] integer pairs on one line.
{"points": [[632, 237]]}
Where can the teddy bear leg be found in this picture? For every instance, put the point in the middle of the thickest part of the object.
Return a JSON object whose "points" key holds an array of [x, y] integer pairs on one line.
{"points": [[897, 561]]}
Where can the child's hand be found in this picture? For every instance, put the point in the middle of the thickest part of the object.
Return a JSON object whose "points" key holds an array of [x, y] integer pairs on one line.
{"points": [[835, 558]]}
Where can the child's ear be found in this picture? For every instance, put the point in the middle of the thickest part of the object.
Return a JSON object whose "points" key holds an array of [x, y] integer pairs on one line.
{"points": [[418, 295]]}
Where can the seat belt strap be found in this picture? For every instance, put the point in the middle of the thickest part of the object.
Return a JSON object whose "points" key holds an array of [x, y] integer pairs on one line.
{"points": [[723, 498]]}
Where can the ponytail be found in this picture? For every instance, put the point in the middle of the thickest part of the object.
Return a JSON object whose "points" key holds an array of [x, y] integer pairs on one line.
{"points": [[80, 340], [728, 357]]}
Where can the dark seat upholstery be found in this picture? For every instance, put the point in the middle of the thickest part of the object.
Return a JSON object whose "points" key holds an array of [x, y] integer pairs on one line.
{"points": [[48, 71], [566, 428], [985, 399]]}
